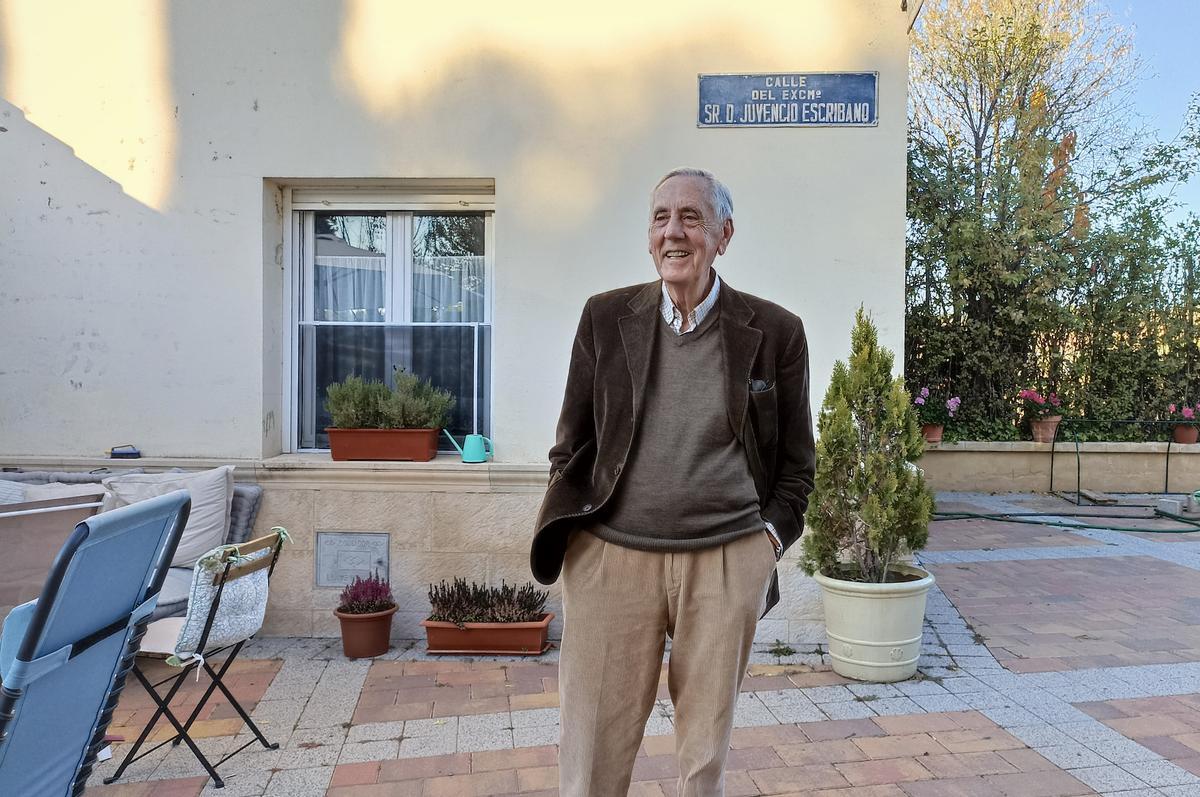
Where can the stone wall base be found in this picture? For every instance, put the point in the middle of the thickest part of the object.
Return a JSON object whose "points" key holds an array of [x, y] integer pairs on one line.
{"points": [[1025, 467], [447, 520]]}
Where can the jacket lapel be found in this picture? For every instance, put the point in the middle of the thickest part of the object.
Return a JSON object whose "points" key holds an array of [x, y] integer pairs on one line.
{"points": [[740, 345], [637, 335]]}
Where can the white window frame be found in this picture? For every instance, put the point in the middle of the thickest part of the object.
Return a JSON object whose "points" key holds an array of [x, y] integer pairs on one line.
{"points": [[376, 196]]}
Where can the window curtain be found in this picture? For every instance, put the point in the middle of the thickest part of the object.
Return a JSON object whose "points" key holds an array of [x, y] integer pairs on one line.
{"points": [[448, 289], [349, 289]]}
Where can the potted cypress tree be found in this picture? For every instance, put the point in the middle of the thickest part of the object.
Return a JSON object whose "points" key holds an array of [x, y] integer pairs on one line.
{"points": [[372, 421], [869, 507], [365, 612], [469, 618]]}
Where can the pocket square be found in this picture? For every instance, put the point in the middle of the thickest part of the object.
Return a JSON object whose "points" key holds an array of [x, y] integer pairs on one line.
{"points": [[760, 385]]}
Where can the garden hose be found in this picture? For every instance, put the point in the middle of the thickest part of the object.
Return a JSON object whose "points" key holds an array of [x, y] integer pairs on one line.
{"points": [[1191, 527]]}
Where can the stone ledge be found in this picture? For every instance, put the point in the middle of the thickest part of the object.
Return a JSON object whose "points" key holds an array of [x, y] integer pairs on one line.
{"points": [[1024, 466], [314, 471], [1065, 447]]}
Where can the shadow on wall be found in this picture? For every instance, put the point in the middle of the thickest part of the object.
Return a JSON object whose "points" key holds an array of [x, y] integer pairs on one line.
{"points": [[176, 116], [376, 87], [56, 222]]}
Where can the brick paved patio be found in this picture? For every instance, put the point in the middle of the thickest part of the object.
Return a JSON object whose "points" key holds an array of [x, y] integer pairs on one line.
{"points": [[1056, 662], [1103, 612]]}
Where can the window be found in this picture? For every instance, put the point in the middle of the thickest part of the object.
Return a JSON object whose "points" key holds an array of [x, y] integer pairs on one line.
{"points": [[391, 280]]}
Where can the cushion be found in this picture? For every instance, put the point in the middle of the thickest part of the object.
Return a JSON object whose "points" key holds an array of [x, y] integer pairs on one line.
{"points": [[176, 586], [70, 477], [240, 614], [55, 490], [11, 492], [208, 523]]}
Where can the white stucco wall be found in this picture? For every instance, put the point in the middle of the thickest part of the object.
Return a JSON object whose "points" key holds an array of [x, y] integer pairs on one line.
{"points": [[141, 287]]}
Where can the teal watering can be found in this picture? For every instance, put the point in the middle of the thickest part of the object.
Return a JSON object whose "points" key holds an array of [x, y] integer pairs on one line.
{"points": [[475, 447]]}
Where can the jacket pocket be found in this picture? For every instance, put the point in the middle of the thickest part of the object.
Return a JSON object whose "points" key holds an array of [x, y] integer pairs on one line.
{"points": [[765, 415]]}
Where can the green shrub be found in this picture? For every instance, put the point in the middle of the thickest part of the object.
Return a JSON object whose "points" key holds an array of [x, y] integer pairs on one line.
{"points": [[413, 403], [870, 503]]}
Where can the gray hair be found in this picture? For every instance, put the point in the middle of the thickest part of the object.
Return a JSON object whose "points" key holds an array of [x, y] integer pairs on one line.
{"points": [[721, 201]]}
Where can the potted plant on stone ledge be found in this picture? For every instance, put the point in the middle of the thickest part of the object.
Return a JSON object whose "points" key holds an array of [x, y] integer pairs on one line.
{"points": [[374, 422], [1186, 419], [1043, 413], [934, 412], [869, 508], [365, 612], [469, 618]]}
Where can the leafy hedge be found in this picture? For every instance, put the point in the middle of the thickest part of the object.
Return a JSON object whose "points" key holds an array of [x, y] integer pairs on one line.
{"points": [[1045, 249]]}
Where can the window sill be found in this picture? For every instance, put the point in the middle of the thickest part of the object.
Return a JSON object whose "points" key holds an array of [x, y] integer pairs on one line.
{"points": [[446, 471]]}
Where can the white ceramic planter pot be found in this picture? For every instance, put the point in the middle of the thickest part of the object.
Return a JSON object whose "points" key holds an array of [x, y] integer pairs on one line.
{"points": [[875, 629]]}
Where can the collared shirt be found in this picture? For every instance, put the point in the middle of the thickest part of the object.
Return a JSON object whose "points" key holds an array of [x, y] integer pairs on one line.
{"points": [[674, 318]]}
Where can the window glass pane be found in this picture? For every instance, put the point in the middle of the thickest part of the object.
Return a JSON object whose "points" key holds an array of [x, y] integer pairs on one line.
{"points": [[443, 354], [349, 270], [448, 267]]}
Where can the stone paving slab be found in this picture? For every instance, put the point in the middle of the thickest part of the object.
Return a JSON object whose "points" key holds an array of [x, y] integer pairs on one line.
{"points": [[1102, 611], [985, 715], [957, 535], [248, 678], [943, 753], [1028, 728]]}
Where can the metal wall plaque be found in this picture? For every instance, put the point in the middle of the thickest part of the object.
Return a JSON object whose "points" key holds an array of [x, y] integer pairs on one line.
{"points": [[792, 99], [342, 555]]}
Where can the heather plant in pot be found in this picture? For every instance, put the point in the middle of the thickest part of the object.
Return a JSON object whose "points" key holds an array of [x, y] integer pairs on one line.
{"points": [[374, 421], [470, 618], [869, 508], [365, 612]]}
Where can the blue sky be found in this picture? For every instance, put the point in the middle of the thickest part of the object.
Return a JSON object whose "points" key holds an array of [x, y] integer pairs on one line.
{"points": [[1167, 40]]}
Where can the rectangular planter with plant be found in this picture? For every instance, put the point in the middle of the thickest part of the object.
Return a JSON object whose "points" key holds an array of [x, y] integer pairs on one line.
{"points": [[468, 618], [372, 421]]}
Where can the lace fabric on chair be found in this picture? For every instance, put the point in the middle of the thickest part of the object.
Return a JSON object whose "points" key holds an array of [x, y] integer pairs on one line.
{"points": [[240, 612]]}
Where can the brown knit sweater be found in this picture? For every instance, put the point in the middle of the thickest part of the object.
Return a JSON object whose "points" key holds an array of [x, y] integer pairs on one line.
{"points": [[687, 484]]}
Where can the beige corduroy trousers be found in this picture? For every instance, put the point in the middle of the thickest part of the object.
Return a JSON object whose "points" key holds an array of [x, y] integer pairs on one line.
{"points": [[619, 605]]}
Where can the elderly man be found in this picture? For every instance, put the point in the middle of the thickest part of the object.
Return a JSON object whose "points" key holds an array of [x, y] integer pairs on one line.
{"points": [[682, 468]]}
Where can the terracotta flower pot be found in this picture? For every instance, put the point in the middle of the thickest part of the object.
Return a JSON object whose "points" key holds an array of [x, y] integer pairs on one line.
{"points": [[1186, 433], [528, 639], [932, 432], [416, 445], [1043, 428], [366, 635]]}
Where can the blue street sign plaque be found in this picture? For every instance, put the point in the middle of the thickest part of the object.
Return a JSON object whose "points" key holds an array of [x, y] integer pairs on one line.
{"points": [[792, 99]]}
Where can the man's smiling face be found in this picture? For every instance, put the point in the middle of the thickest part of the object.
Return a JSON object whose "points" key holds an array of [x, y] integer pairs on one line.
{"points": [[685, 234]]}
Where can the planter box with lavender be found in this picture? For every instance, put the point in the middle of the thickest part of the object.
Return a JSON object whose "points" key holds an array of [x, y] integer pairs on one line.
{"points": [[468, 618]]}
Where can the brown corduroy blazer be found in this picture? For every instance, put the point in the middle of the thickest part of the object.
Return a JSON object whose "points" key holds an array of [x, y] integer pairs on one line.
{"points": [[766, 357]]}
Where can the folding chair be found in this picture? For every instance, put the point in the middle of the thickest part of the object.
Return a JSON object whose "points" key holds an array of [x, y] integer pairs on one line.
{"points": [[65, 656], [225, 609]]}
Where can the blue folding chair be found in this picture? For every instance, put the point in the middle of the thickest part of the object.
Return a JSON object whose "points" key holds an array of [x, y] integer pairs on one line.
{"points": [[64, 657]]}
